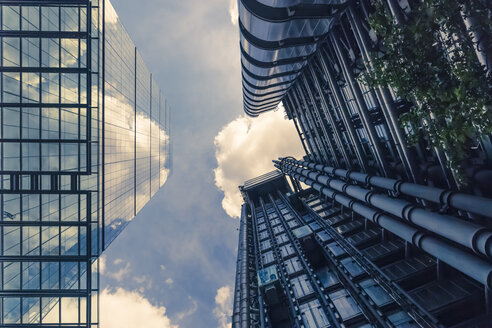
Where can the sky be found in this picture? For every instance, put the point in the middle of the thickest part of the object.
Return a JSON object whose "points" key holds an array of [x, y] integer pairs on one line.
{"points": [[174, 264]]}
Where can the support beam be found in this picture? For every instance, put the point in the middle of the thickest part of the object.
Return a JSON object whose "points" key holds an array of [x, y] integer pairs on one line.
{"points": [[343, 111]]}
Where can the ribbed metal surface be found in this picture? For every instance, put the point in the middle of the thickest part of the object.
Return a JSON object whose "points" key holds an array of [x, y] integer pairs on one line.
{"points": [[276, 39]]}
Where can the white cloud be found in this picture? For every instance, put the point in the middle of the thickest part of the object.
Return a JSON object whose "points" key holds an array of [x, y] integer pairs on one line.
{"points": [[223, 306], [129, 309], [194, 306], [118, 261], [122, 272], [233, 12], [144, 281], [169, 281], [245, 148]]}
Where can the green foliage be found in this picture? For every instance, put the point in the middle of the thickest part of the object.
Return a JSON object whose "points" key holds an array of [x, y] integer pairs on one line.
{"points": [[430, 61]]}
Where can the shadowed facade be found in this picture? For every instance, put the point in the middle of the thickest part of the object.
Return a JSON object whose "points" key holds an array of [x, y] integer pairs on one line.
{"points": [[382, 236]]}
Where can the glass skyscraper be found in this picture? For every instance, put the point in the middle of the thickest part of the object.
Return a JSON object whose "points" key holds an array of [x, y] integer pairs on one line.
{"points": [[84, 146]]}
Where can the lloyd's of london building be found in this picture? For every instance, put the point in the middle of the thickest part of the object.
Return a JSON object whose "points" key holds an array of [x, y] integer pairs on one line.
{"points": [[381, 236], [84, 146]]}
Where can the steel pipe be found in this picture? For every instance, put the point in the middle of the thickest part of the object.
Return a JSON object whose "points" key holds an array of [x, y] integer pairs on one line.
{"points": [[240, 318], [361, 105], [465, 262], [471, 235], [305, 124], [457, 200], [311, 121], [288, 108], [343, 111], [384, 98], [331, 146], [329, 117]]}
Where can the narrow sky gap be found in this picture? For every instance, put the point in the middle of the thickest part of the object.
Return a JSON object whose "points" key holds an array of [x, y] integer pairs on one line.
{"points": [[185, 259]]}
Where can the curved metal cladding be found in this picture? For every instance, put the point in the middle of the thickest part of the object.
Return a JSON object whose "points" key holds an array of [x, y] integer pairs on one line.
{"points": [[276, 39]]}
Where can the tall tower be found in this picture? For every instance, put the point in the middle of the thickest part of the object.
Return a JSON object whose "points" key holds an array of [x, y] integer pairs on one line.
{"points": [[385, 234], [314, 58], [317, 258], [84, 145]]}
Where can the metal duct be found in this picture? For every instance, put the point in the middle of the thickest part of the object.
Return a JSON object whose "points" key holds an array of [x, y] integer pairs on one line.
{"points": [[471, 265], [240, 317], [457, 200], [468, 234]]}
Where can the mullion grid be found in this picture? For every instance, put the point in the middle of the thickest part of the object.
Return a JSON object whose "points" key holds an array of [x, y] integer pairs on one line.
{"points": [[88, 207], [60, 71]]}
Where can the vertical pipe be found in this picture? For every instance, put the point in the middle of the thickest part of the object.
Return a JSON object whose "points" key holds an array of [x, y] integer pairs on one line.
{"points": [[328, 114], [384, 98], [305, 127], [488, 303], [450, 181], [303, 141], [395, 11], [312, 129], [482, 42], [236, 313], [343, 111], [309, 114], [244, 279], [363, 111], [321, 123]]}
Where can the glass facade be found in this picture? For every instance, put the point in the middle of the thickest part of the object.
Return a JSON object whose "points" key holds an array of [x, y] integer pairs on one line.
{"points": [[136, 139], [80, 116]]}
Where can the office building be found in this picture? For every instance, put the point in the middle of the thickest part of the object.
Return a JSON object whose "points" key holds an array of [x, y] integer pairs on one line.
{"points": [[383, 233], [324, 257], [311, 57], [84, 146]]}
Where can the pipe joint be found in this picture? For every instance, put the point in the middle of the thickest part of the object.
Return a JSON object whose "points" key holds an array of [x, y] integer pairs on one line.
{"points": [[319, 167], [482, 242], [333, 193], [396, 188], [407, 212], [417, 238], [351, 204], [313, 175], [328, 169], [367, 199], [344, 188], [341, 173], [375, 218], [445, 199]]}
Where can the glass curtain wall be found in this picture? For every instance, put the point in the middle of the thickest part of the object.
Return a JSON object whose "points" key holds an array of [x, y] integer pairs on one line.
{"points": [[136, 139], [80, 116], [49, 163]]}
